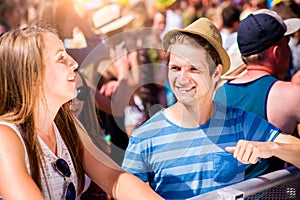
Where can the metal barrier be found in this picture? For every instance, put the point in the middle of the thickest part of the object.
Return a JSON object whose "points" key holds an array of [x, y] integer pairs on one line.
{"points": [[278, 185]]}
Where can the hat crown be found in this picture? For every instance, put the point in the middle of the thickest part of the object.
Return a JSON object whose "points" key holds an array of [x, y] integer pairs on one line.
{"points": [[205, 29], [204, 26], [271, 13], [259, 31]]}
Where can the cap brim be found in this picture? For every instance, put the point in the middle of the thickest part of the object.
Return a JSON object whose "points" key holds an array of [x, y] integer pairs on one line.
{"points": [[217, 46], [292, 25]]}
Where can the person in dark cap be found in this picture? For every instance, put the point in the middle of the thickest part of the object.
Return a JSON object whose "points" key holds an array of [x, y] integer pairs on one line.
{"points": [[186, 149], [263, 42]]}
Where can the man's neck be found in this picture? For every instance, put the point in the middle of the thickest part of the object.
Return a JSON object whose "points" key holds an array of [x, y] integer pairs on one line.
{"points": [[189, 116], [259, 69], [254, 72]]}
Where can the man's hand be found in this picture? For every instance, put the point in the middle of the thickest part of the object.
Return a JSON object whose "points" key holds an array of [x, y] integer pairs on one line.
{"points": [[248, 152]]}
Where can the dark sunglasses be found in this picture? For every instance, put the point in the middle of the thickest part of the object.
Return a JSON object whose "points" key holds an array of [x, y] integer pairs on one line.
{"points": [[62, 167], [83, 92]]}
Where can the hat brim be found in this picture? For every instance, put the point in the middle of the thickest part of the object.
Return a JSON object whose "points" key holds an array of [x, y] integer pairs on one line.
{"points": [[105, 15], [216, 45], [292, 25], [117, 24]]}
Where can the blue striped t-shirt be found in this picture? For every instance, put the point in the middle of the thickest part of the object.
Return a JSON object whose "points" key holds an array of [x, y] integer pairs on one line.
{"points": [[180, 163]]}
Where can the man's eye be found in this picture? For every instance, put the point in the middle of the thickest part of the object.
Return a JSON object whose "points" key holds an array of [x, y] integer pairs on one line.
{"points": [[174, 68], [193, 69]]}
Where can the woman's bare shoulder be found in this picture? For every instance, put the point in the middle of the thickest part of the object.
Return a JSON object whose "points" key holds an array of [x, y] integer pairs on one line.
{"points": [[10, 142]]}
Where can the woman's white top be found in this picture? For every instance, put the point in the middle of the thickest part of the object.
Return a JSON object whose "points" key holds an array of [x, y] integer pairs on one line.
{"points": [[56, 182]]}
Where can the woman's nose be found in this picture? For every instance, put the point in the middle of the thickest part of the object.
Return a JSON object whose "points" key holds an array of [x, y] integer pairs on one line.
{"points": [[73, 64]]}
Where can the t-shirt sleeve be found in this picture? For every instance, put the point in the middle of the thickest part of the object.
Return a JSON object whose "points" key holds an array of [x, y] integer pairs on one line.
{"points": [[134, 161], [259, 129]]}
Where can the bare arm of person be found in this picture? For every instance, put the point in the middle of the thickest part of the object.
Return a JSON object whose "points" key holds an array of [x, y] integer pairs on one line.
{"points": [[116, 182], [110, 177], [296, 80], [15, 181], [285, 147], [288, 117]]}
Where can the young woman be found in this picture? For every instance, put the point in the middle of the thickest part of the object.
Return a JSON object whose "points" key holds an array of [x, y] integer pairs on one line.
{"points": [[42, 155]]}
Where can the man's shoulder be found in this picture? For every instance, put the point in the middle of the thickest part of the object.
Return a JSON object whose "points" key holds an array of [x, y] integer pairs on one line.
{"points": [[286, 93], [287, 90], [287, 84], [156, 122]]}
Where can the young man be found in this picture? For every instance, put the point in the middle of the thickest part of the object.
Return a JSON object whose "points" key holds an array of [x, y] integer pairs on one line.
{"points": [[185, 149], [263, 42]]}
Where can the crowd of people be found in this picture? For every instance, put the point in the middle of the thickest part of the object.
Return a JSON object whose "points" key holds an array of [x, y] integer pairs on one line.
{"points": [[173, 98]]}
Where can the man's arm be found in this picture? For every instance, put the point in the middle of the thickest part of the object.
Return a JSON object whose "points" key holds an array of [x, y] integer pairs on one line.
{"points": [[285, 147]]}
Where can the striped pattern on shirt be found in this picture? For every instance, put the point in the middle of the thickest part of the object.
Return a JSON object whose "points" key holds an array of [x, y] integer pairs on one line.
{"points": [[180, 163]]}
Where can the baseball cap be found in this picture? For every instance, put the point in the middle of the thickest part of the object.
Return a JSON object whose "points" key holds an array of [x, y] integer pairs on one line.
{"points": [[262, 29], [204, 28]]}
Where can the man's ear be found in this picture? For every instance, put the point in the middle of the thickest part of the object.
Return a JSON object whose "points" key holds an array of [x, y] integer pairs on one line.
{"points": [[217, 73], [274, 53], [275, 50]]}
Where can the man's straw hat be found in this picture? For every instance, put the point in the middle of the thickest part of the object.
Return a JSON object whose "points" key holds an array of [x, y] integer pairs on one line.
{"points": [[204, 28]]}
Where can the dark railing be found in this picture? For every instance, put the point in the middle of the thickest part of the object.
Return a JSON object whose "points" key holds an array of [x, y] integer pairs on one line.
{"points": [[278, 185]]}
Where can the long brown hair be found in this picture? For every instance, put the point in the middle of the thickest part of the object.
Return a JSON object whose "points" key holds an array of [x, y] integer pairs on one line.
{"points": [[22, 70]]}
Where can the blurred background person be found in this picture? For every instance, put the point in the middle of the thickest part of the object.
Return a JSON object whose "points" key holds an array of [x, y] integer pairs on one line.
{"points": [[11, 15], [231, 21], [290, 9], [62, 15]]}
